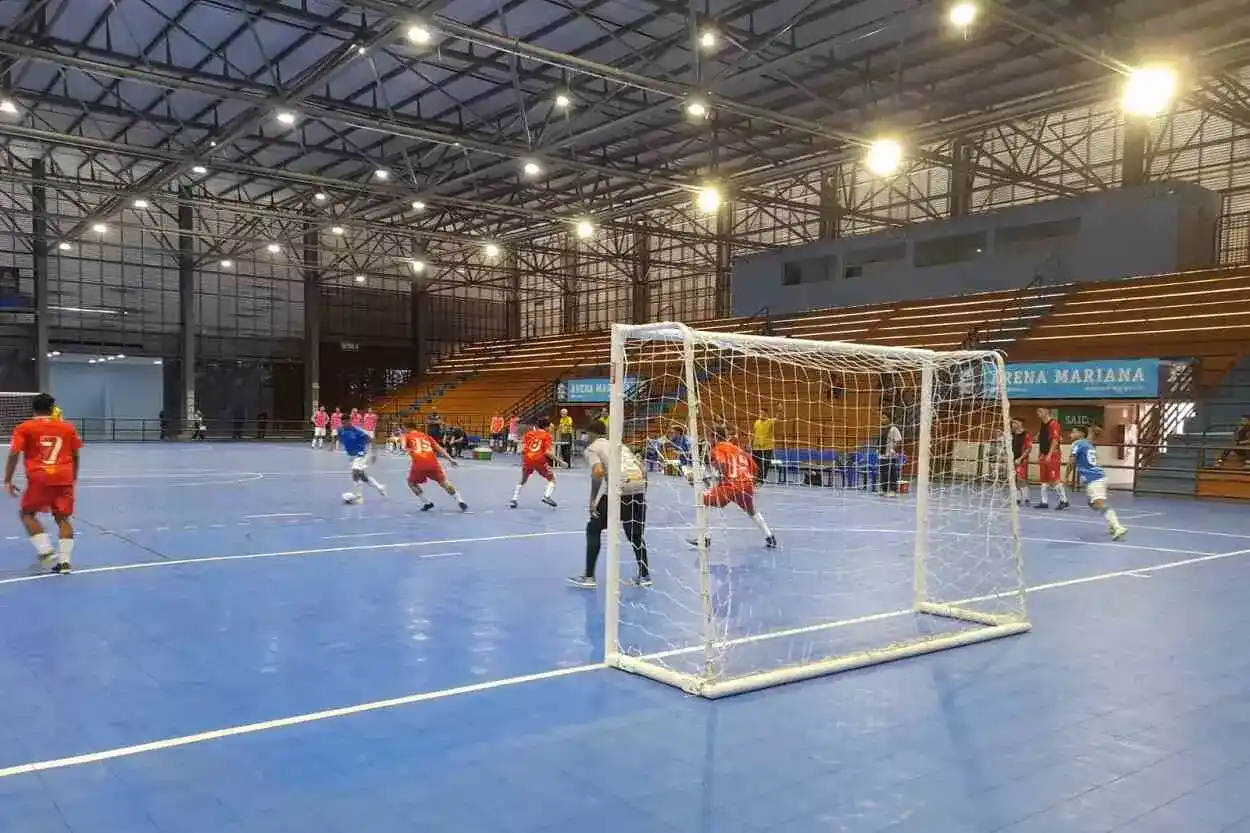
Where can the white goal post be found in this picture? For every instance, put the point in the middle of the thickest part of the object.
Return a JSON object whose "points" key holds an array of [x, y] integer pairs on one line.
{"points": [[883, 549], [15, 408]]}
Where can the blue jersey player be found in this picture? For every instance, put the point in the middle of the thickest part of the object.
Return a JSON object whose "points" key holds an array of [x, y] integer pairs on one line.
{"points": [[1084, 461], [356, 441]]}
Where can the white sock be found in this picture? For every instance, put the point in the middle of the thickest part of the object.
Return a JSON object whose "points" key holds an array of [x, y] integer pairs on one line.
{"points": [[1112, 520], [41, 543], [1062, 492], [64, 549], [456, 494], [1043, 489], [358, 489], [762, 524], [1024, 492], [516, 493], [550, 490]]}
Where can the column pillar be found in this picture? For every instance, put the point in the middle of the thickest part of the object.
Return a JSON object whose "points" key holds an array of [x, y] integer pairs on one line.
{"points": [[831, 204], [513, 302], [1133, 167], [312, 318], [568, 284], [187, 320], [961, 178], [39, 247], [640, 297], [724, 260]]}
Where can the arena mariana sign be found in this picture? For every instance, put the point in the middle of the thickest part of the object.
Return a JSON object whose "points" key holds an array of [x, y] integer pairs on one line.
{"points": [[1106, 379]]}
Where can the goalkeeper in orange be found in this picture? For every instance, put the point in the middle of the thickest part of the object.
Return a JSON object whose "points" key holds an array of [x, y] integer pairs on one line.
{"points": [[733, 482]]}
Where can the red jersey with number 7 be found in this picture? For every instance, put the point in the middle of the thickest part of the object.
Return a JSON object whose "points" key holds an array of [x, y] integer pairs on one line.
{"points": [[734, 464], [48, 446]]}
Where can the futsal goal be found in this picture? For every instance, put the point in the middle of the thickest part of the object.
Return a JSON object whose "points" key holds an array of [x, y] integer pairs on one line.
{"points": [[15, 408], [887, 485]]}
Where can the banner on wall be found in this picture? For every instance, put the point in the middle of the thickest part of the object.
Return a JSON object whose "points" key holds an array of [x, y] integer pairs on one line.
{"points": [[590, 391], [1106, 379], [1070, 417]]}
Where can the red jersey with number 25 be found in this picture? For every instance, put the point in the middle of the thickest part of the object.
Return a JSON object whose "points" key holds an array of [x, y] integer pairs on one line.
{"points": [[421, 448], [734, 464], [48, 446]]}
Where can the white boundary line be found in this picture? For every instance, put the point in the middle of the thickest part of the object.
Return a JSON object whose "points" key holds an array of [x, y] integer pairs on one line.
{"points": [[377, 705]]}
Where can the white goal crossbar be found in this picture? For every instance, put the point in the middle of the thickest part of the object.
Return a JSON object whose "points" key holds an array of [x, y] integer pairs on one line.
{"points": [[965, 568]]}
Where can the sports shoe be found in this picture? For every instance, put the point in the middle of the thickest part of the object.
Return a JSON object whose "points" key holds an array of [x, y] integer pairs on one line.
{"points": [[381, 490], [641, 581], [1041, 506], [1063, 504], [512, 504], [44, 560], [1118, 533], [583, 582], [464, 507], [63, 568], [771, 542], [549, 502], [694, 542], [426, 507]]}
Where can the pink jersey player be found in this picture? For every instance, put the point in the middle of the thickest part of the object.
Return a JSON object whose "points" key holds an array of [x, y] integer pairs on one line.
{"points": [[369, 421], [320, 420], [336, 420]]}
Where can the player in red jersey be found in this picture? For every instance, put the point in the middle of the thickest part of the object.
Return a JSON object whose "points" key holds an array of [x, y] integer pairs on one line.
{"points": [[51, 447], [336, 425], [425, 452], [1049, 463], [537, 455], [369, 422], [734, 482], [1021, 446], [320, 420]]}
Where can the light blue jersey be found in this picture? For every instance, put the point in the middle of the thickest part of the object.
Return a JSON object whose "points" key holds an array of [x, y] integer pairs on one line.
{"points": [[354, 439], [1085, 458]]}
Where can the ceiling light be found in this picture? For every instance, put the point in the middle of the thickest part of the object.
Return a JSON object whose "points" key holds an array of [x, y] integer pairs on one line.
{"points": [[708, 199], [320, 196], [360, 279], [962, 14], [140, 204], [63, 246], [491, 250], [121, 355], [8, 107], [532, 169], [286, 117], [99, 228], [336, 229], [417, 205], [382, 173], [585, 229], [156, 361], [199, 169], [563, 101], [708, 39], [90, 310], [90, 361], [213, 143], [418, 266], [696, 109], [362, 49], [273, 248], [226, 264], [1149, 91], [884, 157], [419, 35]]}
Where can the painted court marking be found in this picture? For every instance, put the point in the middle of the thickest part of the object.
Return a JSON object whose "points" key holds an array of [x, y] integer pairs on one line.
{"points": [[377, 705]]}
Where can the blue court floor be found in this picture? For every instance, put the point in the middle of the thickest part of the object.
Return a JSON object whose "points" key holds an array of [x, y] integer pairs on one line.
{"points": [[239, 652]]}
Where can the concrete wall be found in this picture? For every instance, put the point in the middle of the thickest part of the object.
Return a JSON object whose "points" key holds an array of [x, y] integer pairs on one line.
{"points": [[1150, 230]]}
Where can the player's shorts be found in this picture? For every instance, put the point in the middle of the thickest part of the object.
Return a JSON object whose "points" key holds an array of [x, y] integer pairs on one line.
{"points": [[1022, 472], [723, 494], [59, 500], [319, 431], [542, 468], [419, 473], [360, 463], [1096, 490], [1049, 468]]}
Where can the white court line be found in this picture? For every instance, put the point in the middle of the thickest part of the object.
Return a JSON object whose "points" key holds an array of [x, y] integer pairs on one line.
{"points": [[345, 711], [250, 477], [312, 717], [282, 515], [356, 535]]}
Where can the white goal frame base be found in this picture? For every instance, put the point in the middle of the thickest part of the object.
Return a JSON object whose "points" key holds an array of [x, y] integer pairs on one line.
{"points": [[990, 625]]}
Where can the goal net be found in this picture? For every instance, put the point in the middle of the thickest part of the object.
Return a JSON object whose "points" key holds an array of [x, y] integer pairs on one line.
{"points": [[886, 486], [14, 409]]}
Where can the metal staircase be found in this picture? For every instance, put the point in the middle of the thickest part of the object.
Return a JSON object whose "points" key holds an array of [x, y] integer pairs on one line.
{"points": [[1030, 304]]}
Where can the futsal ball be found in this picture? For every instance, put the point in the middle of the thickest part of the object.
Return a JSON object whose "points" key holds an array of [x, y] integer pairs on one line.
{"points": [[348, 497]]}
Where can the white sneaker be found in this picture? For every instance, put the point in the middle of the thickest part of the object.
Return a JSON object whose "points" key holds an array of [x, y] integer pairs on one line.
{"points": [[1118, 532], [381, 490]]}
